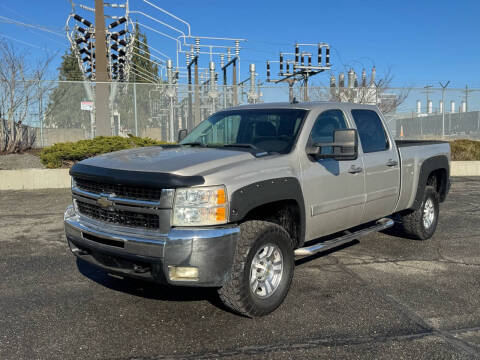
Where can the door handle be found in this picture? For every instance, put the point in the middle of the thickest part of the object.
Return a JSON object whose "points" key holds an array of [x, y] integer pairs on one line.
{"points": [[391, 162], [355, 169]]}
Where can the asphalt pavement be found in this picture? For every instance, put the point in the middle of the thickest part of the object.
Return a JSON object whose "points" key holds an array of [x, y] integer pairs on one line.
{"points": [[381, 297]]}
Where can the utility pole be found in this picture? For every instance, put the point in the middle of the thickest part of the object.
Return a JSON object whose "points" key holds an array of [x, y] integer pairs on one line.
{"points": [[466, 98], [102, 89], [443, 106]]}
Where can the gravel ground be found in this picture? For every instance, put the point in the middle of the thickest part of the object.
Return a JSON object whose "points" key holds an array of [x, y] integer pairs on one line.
{"points": [[20, 161], [381, 297]]}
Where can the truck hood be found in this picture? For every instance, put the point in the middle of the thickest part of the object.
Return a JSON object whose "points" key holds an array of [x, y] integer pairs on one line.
{"points": [[186, 161]]}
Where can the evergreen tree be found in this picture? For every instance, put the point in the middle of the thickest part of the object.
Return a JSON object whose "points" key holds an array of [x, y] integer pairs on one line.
{"points": [[143, 74], [64, 102], [141, 60]]}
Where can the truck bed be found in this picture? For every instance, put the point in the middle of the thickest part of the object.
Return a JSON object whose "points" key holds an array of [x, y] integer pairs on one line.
{"points": [[412, 155]]}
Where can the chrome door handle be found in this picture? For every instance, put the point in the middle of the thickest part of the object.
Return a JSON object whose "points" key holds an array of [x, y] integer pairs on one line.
{"points": [[391, 162], [355, 169]]}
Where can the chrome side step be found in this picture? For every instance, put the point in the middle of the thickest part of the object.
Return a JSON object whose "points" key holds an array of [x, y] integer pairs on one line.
{"points": [[380, 225]]}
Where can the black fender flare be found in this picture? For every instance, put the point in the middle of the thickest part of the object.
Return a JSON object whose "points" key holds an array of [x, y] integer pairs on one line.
{"points": [[429, 165], [249, 197]]}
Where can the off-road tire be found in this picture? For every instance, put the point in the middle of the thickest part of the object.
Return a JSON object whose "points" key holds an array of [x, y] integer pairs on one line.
{"points": [[236, 293], [412, 224]]}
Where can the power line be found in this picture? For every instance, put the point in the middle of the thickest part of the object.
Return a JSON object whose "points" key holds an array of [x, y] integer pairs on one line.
{"points": [[7, 20]]}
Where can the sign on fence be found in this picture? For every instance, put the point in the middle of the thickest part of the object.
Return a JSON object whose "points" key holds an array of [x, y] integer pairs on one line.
{"points": [[86, 105]]}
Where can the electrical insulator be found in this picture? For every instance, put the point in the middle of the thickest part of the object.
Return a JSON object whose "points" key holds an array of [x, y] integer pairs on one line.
{"points": [[288, 67], [319, 55], [281, 63], [296, 53], [268, 69], [82, 20], [118, 22], [327, 56], [309, 60]]}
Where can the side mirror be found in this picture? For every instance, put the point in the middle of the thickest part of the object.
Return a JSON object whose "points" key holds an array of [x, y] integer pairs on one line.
{"points": [[182, 134], [343, 147]]}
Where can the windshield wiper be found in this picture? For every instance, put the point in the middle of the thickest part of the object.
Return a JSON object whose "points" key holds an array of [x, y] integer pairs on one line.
{"points": [[251, 146], [194, 144]]}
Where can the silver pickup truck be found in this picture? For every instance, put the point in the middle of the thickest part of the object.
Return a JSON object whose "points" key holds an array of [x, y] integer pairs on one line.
{"points": [[247, 191]]}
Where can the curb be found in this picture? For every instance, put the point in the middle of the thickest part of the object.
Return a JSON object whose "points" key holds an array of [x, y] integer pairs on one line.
{"points": [[35, 179], [465, 168]]}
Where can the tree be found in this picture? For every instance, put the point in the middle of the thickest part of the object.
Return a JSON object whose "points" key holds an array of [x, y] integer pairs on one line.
{"points": [[145, 70], [22, 88], [144, 73], [64, 102], [373, 91]]}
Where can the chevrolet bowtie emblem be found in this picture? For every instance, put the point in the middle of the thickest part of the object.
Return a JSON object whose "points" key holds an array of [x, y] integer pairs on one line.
{"points": [[104, 202]]}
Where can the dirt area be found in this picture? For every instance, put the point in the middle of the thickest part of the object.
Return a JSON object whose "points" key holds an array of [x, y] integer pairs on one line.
{"points": [[28, 160]]}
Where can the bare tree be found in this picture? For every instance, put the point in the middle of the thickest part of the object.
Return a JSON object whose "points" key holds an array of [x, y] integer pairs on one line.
{"points": [[376, 91], [22, 86]]}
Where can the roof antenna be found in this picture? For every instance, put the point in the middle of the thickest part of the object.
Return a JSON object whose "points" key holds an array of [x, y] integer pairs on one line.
{"points": [[294, 100]]}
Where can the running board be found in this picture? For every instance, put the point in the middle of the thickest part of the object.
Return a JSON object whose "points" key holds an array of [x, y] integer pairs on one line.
{"points": [[380, 225]]}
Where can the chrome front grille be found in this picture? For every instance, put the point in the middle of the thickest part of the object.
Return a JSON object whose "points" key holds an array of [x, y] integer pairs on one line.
{"points": [[119, 217], [120, 205], [123, 191]]}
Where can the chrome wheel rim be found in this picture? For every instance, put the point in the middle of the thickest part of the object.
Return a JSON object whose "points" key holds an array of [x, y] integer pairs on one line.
{"points": [[428, 213], [266, 271]]}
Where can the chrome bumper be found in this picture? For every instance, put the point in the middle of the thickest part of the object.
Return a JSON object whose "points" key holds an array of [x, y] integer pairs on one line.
{"points": [[148, 255]]}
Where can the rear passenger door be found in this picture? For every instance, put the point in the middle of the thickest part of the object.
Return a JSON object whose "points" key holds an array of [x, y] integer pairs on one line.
{"points": [[381, 163]]}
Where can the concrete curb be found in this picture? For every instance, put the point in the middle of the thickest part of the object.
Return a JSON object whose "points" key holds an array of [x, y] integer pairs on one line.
{"points": [[465, 168], [34, 179]]}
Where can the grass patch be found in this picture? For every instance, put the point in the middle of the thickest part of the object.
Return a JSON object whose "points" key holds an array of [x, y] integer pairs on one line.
{"points": [[465, 150], [66, 154]]}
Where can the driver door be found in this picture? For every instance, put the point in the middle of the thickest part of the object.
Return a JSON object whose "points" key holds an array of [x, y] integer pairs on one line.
{"points": [[334, 190]]}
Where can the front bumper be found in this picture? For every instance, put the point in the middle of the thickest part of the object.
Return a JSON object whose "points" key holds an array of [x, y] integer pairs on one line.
{"points": [[148, 255]]}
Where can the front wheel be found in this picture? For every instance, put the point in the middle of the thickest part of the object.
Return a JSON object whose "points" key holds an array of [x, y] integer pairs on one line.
{"points": [[421, 223], [262, 271]]}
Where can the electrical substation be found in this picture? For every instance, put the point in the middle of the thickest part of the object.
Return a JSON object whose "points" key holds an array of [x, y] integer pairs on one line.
{"points": [[202, 76]]}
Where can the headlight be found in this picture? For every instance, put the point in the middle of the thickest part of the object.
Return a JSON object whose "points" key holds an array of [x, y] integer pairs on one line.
{"points": [[200, 206]]}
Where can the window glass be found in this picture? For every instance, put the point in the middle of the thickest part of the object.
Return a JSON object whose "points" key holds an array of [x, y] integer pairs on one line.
{"points": [[327, 122], [370, 129], [272, 130]]}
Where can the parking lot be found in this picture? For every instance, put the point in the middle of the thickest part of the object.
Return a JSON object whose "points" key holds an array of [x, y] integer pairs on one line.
{"points": [[380, 297]]}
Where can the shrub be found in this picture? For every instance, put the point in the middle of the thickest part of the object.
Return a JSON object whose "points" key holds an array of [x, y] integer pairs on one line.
{"points": [[465, 150], [65, 154]]}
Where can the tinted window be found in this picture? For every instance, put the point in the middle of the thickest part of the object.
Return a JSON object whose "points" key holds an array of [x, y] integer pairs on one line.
{"points": [[272, 130], [370, 129], [327, 122]]}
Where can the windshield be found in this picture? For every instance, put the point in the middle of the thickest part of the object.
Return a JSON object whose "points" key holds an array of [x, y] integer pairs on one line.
{"points": [[270, 130]]}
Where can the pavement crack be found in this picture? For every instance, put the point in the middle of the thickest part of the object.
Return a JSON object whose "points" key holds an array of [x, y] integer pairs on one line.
{"points": [[413, 316]]}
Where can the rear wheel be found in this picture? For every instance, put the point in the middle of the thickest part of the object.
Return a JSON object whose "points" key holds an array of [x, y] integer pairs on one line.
{"points": [[422, 223], [262, 270]]}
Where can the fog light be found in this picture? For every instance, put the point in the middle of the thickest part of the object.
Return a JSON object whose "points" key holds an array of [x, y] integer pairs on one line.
{"points": [[183, 273]]}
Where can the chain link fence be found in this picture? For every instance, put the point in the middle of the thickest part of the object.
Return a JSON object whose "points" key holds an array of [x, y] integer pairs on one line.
{"points": [[66, 111]]}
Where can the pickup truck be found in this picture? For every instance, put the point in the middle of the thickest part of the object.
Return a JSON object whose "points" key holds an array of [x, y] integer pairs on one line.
{"points": [[247, 191]]}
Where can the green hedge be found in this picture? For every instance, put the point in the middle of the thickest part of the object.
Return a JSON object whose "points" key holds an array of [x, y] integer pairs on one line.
{"points": [[65, 154], [463, 150]]}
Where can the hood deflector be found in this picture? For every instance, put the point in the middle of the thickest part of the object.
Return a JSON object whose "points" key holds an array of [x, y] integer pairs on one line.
{"points": [[154, 180]]}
